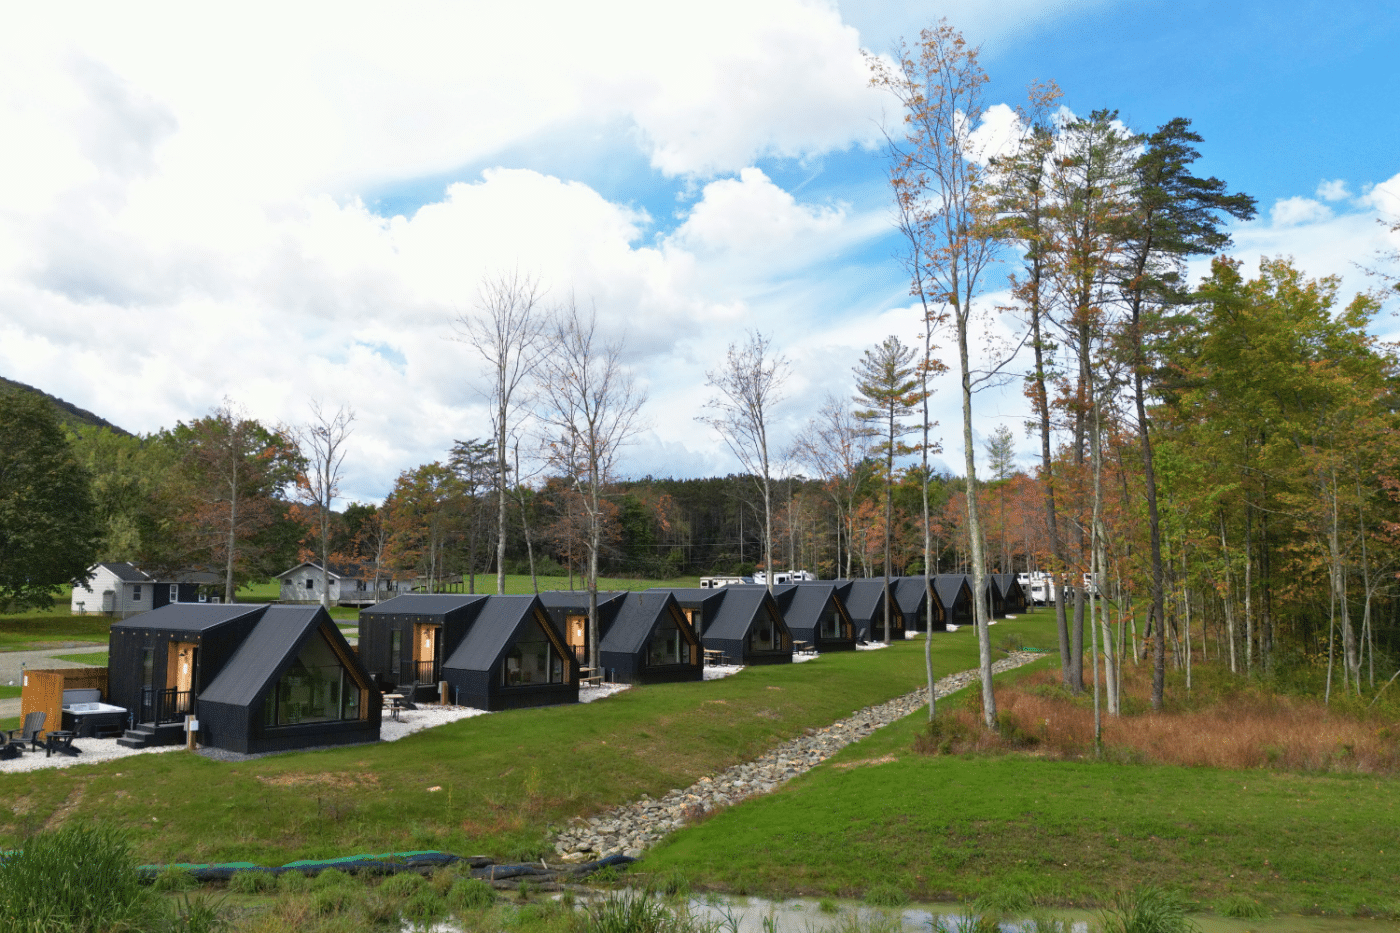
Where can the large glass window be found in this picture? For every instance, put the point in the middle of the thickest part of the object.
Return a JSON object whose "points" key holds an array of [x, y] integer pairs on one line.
{"points": [[666, 645], [830, 626], [316, 688], [763, 636], [395, 651], [533, 660]]}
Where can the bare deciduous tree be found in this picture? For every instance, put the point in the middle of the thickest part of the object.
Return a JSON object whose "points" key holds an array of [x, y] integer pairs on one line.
{"points": [[836, 446], [507, 332], [750, 384], [936, 176], [322, 443], [593, 410]]}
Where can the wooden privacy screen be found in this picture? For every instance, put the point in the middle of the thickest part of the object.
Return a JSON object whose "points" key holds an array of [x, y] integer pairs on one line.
{"points": [[43, 690]]}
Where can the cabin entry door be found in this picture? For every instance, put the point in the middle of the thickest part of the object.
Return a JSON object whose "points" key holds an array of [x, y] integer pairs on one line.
{"points": [[427, 639], [181, 658], [576, 637]]}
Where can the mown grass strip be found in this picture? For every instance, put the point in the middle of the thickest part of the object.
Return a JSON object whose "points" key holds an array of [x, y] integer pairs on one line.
{"points": [[1059, 833], [44, 630], [490, 785]]}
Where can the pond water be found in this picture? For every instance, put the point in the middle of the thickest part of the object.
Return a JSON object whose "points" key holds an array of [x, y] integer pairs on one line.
{"points": [[731, 914]]}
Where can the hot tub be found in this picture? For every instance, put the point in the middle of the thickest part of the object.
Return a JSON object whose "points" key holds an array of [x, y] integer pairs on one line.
{"points": [[86, 716]]}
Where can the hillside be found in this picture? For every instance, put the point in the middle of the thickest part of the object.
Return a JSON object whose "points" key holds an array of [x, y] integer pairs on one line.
{"points": [[71, 415]]}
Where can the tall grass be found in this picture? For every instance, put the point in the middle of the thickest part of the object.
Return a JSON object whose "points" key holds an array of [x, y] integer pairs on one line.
{"points": [[74, 880], [1247, 728], [1146, 910]]}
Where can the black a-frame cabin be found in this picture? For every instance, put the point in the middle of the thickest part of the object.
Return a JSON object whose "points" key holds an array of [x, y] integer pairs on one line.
{"points": [[739, 622], [650, 642], [404, 640], [511, 656], [816, 615], [257, 678], [915, 599], [568, 610], [954, 593], [1013, 595], [865, 601]]}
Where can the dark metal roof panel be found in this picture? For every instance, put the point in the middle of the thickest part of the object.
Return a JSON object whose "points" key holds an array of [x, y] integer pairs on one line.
{"points": [[910, 593], [637, 618], [425, 604], [863, 598], [188, 617], [951, 587], [276, 639], [737, 613], [802, 606], [492, 631]]}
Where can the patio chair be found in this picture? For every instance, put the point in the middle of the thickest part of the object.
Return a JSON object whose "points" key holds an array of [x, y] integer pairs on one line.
{"points": [[29, 732]]}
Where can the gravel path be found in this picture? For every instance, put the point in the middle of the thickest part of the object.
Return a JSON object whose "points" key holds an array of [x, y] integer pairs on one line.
{"points": [[633, 828]]}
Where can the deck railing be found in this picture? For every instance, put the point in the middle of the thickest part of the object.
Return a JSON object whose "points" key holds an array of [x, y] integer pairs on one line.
{"points": [[169, 705]]}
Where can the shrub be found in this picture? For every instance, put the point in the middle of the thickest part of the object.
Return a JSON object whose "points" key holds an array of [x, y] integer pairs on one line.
{"points": [[252, 882], [1146, 910], [332, 878], [199, 914], [174, 878], [402, 885], [470, 894], [75, 878], [293, 882], [335, 899]]}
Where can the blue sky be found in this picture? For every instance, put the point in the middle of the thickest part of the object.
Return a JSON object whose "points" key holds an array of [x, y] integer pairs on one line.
{"points": [[277, 204]]}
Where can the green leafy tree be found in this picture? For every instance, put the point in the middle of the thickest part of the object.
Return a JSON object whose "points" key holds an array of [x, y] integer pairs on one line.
{"points": [[237, 475], [49, 533]]}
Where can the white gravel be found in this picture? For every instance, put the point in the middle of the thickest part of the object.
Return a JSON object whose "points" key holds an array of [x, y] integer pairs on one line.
{"points": [[716, 671]]}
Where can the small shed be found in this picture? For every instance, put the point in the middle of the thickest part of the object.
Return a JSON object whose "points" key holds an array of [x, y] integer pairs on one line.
{"points": [[954, 594], [568, 610], [511, 656], [229, 661], [404, 641], [816, 614], [746, 627], [865, 601]]}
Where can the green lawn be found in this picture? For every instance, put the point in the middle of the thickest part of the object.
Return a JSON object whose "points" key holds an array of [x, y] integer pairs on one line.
{"points": [[95, 659], [955, 828], [34, 631], [492, 784], [10, 693]]}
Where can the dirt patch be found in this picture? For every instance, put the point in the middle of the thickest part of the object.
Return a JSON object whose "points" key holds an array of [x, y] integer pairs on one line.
{"points": [[865, 762], [64, 810], [324, 779]]}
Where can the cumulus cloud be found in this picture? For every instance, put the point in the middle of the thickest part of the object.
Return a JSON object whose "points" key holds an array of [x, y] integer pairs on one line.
{"points": [[1289, 212], [1335, 190]]}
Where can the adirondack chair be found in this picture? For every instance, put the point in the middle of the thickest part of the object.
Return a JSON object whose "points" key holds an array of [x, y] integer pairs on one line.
{"points": [[29, 732]]}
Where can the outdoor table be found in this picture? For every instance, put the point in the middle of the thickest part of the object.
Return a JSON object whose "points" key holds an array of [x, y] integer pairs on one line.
{"points": [[61, 741], [589, 675], [395, 704]]}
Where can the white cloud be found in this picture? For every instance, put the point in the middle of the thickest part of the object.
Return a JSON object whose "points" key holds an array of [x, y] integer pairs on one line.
{"points": [[1335, 190], [1288, 212]]}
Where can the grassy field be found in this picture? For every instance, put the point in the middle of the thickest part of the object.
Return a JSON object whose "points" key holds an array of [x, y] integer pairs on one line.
{"points": [[94, 659], [10, 693], [492, 784], [1016, 828], [36, 631]]}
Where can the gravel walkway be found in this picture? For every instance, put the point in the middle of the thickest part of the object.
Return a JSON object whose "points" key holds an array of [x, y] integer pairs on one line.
{"points": [[633, 828]]}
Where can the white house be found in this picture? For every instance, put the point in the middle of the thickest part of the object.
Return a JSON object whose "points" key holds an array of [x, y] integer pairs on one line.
{"points": [[305, 583], [117, 588]]}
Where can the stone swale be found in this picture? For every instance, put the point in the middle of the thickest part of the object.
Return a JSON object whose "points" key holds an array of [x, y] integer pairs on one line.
{"points": [[633, 828]]}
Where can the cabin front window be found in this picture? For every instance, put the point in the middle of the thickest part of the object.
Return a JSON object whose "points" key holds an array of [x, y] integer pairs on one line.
{"points": [[316, 688], [762, 637], [533, 660], [395, 650], [136, 593], [666, 646], [830, 625]]}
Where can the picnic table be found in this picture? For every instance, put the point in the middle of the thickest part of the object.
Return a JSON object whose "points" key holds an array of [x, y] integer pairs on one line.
{"points": [[803, 647], [714, 656], [590, 675], [395, 704]]}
